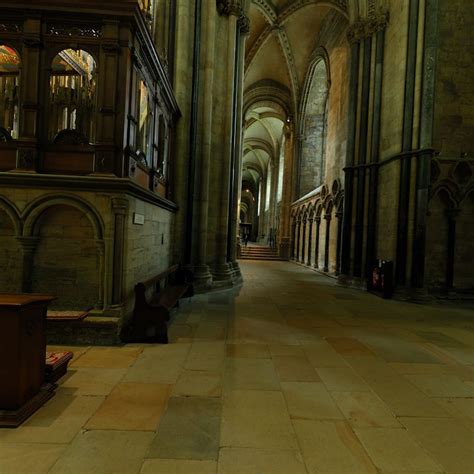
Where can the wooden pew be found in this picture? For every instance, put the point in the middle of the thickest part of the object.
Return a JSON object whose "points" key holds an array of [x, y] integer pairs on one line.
{"points": [[148, 322]]}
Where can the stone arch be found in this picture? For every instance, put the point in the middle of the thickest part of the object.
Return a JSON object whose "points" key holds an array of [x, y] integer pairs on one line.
{"points": [[10, 252], [12, 212], [37, 207], [268, 93], [67, 251]]}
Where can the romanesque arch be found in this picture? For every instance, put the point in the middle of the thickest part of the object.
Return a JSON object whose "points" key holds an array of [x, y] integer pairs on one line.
{"points": [[67, 251]]}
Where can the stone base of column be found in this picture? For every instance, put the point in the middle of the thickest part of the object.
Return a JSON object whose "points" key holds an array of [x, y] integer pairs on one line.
{"points": [[202, 279], [236, 273], [284, 249], [222, 275], [354, 282]]}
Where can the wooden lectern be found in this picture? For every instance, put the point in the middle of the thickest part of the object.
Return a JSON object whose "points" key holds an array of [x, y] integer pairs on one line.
{"points": [[22, 357]]}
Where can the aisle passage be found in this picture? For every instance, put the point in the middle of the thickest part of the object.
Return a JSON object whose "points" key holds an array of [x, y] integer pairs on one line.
{"points": [[291, 374]]}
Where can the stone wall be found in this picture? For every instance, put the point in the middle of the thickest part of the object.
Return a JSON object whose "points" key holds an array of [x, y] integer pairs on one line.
{"points": [[454, 95], [66, 260], [312, 153], [75, 246], [148, 247], [337, 114], [394, 79], [387, 210]]}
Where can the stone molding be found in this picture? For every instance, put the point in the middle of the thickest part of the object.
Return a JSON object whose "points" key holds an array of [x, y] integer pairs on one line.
{"points": [[87, 183], [234, 8], [367, 27]]}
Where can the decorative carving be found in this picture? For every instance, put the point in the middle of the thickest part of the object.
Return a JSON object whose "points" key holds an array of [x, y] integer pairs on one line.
{"points": [[10, 27], [104, 161], [243, 24], [91, 31], [70, 137], [367, 27], [32, 42], [5, 135], [25, 158], [229, 7]]}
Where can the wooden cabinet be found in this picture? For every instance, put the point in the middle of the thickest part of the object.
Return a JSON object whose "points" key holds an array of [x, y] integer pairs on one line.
{"points": [[22, 356]]}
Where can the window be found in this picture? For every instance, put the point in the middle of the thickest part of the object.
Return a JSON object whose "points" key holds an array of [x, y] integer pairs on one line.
{"points": [[143, 118], [9, 90], [73, 94]]}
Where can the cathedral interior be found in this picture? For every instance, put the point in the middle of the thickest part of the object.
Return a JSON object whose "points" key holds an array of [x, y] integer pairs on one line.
{"points": [[242, 232]]}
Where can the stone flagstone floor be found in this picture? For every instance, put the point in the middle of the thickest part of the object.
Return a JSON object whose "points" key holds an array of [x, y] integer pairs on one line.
{"points": [[288, 375]]}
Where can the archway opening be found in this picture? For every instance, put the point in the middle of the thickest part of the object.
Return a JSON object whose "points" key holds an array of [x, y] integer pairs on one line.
{"points": [[73, 88]]}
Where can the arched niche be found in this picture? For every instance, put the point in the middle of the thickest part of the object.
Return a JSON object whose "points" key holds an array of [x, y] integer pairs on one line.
{"points": [[438, 240], [68, 257], [10, 260], [10, 65], [463, 272], [72, 97]]}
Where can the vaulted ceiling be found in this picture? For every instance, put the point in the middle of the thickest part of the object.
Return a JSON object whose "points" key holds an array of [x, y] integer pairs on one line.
{"points": [[279, 52], [283, 35]]}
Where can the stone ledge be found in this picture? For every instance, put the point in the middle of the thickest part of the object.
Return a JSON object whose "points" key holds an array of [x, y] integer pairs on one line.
{"points": [[85, 183], [94, 330]]}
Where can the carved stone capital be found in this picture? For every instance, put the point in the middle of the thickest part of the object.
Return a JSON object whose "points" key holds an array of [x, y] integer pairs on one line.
{"points": [[25, 158], [243, 24], [229, 7], [367, 27], [120, 205]]}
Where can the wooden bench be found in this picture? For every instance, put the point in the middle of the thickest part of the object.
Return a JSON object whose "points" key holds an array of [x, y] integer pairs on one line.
{"points": [[149, 319]]}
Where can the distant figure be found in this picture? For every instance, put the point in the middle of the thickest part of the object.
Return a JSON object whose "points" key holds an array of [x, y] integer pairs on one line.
{"points": [[246, 239]]}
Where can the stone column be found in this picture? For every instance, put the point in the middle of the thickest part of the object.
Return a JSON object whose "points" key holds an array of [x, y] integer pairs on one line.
{"points": [[361, 34], [120, 211], [361, 169], [243, 25], [327, 218], [293, 239], [339, 242], [298, 236], [371, 251], [303, 242], [451, 215], [202, 274], [350, 154], [222, 269], [102, 282], [407, 145], [318, 238], [27, 248], [310, 241], [284, 240], [430, 47]]}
